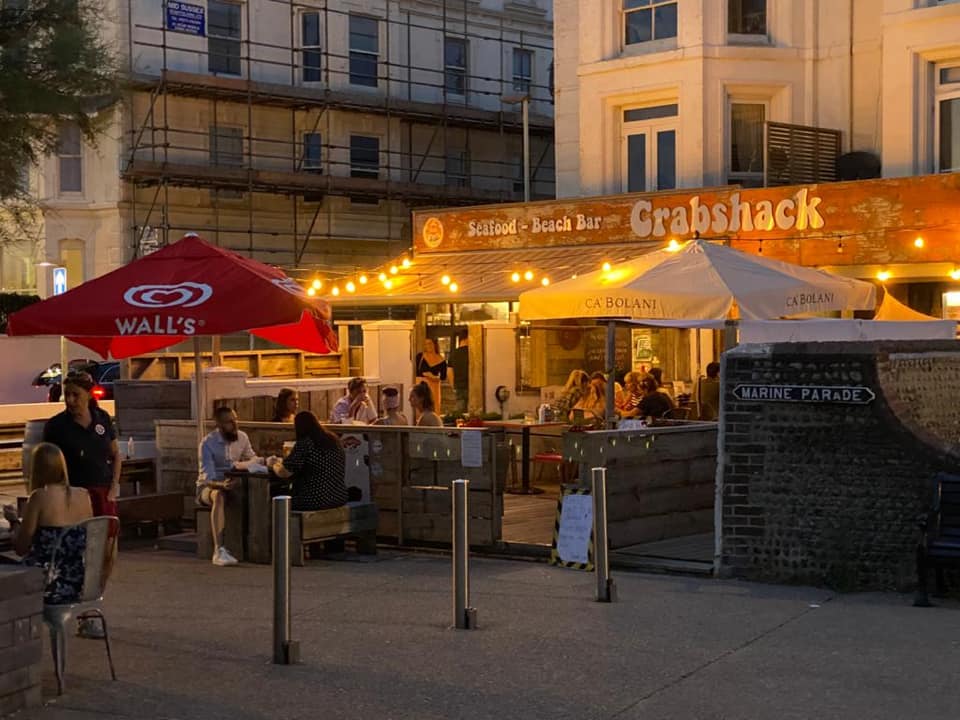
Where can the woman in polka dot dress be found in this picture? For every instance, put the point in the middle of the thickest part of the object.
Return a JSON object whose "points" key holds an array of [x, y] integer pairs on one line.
{"points": [[316, 464]]}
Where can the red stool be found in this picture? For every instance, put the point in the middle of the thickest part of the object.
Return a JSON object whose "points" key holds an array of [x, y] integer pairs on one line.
{"points": [[543, 459]]}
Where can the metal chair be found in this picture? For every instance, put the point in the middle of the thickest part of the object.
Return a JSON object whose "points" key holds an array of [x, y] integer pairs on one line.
{"points": [[101, 537]]}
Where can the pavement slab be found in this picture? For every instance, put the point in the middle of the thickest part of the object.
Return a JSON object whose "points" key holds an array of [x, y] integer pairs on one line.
{"points": [[194, 641]]}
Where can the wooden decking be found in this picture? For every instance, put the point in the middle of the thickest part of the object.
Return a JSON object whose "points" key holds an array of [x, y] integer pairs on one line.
{"points": [[529, 519]]}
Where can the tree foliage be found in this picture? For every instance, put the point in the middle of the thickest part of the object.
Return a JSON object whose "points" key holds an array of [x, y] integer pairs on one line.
{"points": [[56, 66]]}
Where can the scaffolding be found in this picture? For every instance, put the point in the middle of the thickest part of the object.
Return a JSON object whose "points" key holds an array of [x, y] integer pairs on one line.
{"points": [[419, 106]]}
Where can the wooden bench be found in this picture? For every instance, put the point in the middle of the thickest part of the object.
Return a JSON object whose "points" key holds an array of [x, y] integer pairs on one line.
{"points": [[354, 520], [939, 546]]}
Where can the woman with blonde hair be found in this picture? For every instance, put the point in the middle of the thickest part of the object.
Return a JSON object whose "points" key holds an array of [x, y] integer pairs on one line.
{"points": [[46, 535], [577, 382]]}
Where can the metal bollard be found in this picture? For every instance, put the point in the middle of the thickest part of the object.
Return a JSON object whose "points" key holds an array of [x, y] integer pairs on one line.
{"points": [[285, 650], [464, 616], [606, 592]]}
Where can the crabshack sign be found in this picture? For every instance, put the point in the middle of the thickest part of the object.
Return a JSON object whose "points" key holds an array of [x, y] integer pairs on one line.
{"points": [[858, 217]]}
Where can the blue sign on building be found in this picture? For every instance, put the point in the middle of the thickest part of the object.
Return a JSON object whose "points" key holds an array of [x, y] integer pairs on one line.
{"points": [[59, 280], [185, 17]]}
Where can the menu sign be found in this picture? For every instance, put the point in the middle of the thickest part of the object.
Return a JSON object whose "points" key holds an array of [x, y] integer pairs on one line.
{"points": [[859, 213]]}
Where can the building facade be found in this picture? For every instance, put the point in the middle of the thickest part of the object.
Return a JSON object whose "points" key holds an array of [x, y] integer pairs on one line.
{"points": [[300, 133], [663, 94]]}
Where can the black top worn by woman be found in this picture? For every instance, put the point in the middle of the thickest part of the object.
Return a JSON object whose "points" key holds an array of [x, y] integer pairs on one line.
{"points": [[423, 367], [319, 470]]}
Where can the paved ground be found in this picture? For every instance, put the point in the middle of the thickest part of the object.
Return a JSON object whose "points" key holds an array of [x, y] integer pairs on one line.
{"points": [[193, 641]]}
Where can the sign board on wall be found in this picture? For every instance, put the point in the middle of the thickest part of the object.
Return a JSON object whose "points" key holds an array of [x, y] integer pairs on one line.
{"points": [[869, 215], [828, 394], [185, 18]]}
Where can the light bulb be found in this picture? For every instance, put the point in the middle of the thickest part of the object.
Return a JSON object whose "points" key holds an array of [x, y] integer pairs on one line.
{"points": [[335, 291], [454, 287], [311, 291], [955, 274], [382, 277], [351, 287], [545, 281], [515, 277], [405, 263], [362, 279], [317, 284], [394, 269], [388, 284], [528, 275], [606, 267], [445, 280], [883, 275], [918, 243], [673, 246]]}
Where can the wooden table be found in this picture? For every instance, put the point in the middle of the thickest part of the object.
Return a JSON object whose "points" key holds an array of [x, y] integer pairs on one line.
{"points": [[526, 431], [257, 521]]}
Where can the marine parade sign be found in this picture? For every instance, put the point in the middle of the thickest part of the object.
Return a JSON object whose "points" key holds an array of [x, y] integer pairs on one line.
{"points": [[830, 394]]}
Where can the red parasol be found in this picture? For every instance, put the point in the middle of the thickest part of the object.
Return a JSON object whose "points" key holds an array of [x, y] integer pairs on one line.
{"points": [[184, 290]]}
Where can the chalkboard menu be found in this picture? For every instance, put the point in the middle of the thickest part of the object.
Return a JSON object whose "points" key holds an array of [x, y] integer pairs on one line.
{"points": [[595, 344]]}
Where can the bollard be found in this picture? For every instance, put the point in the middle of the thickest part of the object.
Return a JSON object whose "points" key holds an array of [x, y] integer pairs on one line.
{"points": [[464, 616], [605, 587], [285, 651]]}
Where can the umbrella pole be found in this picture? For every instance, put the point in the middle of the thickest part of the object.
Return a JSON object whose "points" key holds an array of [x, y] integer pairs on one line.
{"points": [[64, 360], [611, 371], [198, 388]]}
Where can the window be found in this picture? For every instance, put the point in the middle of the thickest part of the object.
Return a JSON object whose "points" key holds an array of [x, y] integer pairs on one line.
{"points": [[364, 156], [312, 152], [458, 168], [364, 50], [948, 118], [522, 70], [17, 269], [747, 17], [746, 144], [70, 157], [223, 41], [646, 20], [226, 146], [455, 65], [650, 148], [310, 40]]}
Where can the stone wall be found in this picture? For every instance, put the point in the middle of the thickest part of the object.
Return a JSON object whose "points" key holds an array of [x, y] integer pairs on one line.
{"points": [[21, 646], [829, 493]]}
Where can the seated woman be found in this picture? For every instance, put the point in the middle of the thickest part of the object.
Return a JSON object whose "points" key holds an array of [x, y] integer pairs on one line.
{"points": [[593, 404], [317, 466], [421, 400], [288, 403], [391, 403], [48, 521], [575, 388]]}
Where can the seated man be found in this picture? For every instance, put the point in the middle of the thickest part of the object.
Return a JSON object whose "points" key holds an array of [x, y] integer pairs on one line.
{"points": [[226, 448], [355, 406]]}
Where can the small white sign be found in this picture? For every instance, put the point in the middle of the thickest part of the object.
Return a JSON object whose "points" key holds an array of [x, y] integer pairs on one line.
{"points": [[471, 448], [576, 529], [59, 280]]}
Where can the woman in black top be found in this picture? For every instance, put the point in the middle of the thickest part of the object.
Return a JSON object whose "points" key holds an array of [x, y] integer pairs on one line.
{"points": [[317, 465], [432, 368]]}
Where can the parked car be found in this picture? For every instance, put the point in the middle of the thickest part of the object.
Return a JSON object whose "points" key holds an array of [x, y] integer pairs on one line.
{"points": [[104, 374]]}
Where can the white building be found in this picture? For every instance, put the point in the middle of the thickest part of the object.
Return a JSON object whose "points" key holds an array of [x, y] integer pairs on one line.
{"points": [[300, 133], [657, 94]]}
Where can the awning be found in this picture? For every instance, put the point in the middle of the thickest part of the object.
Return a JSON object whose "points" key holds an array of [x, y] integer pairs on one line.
{"points": [[480, 276]]}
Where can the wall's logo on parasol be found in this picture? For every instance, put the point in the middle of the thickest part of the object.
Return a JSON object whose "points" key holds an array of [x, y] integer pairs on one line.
{"points": [[432, 233], [185, 294]]}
